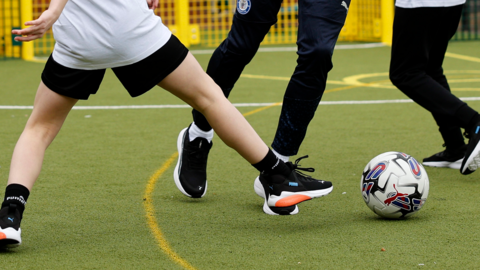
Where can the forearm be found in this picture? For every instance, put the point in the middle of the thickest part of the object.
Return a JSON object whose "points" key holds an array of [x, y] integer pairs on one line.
{"points": [[37, 28], [56, 6]]}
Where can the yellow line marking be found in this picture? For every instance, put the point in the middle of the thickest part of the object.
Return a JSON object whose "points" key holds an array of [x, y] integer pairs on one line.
{"points": [[250, 76], [351, 82], [341, 88], [262, 108], [466, 89], [150, 214], [464, 80], [355, 79], [150, 209], [359, 84], [463, 57], [277, 78]]}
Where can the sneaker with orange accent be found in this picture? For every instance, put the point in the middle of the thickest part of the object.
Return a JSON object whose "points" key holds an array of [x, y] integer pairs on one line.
{"points": [[274, 211], [281, 191], [10, 227]]}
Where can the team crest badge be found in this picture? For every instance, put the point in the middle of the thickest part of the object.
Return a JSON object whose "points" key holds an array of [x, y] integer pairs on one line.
{"points": [[243, 6]]}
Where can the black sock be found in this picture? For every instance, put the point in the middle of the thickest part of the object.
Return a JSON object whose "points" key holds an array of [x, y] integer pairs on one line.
{"points": [[16, 194], [272, 165]]}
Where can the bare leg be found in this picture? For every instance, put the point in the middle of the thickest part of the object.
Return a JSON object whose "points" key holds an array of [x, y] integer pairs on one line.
{"points": [[49, 112], [190, 83]]}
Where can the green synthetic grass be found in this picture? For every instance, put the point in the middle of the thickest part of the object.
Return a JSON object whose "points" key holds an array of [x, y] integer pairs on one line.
{"points": [[87, 208]]}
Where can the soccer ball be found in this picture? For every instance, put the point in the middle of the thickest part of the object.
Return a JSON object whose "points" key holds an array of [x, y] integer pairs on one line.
{"points": [[394, 185]]}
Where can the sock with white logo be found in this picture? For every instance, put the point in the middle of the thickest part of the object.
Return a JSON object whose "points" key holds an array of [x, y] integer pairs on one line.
{"points": [[16, 194], [272, 165], [280, 156], [194, 132]]}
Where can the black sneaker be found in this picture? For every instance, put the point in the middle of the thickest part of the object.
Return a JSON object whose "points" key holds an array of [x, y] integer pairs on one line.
{"points": [[446, 159], [290, 210], [471, 162], [191, 171], [281, 191], [10, 227]]}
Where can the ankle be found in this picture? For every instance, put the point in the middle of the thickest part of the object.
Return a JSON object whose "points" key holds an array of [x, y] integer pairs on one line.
{"points": [[272, 165], [16, 194], [280, 156], [195, 132]]}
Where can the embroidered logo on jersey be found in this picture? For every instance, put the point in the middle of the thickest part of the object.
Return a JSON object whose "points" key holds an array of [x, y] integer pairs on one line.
{"points": [[344, 4], [243, 6]]}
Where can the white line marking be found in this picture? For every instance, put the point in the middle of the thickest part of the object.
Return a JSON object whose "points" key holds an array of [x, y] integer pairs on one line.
{"points": [[294, 49], [273, 49], [276, 49], [127, 107]]}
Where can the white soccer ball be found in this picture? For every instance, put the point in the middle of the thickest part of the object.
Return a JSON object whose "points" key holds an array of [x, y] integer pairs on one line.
{"points": [[394, 185]]}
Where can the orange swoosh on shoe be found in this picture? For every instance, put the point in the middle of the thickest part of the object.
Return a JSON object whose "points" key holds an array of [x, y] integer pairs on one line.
{"points": [[292, 200], [2, 236]]}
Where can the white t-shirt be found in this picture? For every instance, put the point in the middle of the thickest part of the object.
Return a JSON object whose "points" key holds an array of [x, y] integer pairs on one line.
{"points": [[428, 3], [95, 34]]}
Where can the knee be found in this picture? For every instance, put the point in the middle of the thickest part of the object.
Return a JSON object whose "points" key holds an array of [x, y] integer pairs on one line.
{"points": [[399, 79], [244, 38], [207, 95], [318, 57], [41, 133], [242, 48], [394, 78]]}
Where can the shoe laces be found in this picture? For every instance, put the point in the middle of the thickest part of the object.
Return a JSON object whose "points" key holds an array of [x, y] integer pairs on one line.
{"points": [[296, 167]]}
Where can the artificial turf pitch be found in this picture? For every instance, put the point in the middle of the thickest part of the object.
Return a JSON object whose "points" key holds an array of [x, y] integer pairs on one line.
{"points": [[106, 197]]}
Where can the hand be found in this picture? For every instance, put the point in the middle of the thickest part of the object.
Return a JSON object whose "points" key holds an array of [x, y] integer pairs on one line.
{"points": [[152, 4], [38, 27]]}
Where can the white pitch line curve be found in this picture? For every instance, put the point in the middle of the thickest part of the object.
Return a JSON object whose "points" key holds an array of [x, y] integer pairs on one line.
{"points": [[133, 107]]}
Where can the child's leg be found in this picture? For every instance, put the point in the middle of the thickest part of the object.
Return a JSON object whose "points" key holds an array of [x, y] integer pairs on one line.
{"points": [[190, 83], [49, 113], [282, 185]]}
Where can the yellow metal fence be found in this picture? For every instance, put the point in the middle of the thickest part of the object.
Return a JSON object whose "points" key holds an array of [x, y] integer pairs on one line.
{"points": [[205, 23], [10, 12]]}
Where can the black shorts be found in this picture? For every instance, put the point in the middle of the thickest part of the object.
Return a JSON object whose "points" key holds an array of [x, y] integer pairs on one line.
{"points": [[137, 78]]}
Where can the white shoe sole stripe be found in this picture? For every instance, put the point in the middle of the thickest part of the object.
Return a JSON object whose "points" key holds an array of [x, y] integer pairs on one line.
{"points": [[12, 234], [257, 186], [269, 211], [176, 176], [179, 162], [473, 161], [312, 194], [444, 164]]}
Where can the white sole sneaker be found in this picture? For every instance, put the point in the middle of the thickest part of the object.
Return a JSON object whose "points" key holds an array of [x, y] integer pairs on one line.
{"points": [[275, 211], [292, 198], [472, 162], [444, 164], [176, 176], [10, 238]]}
